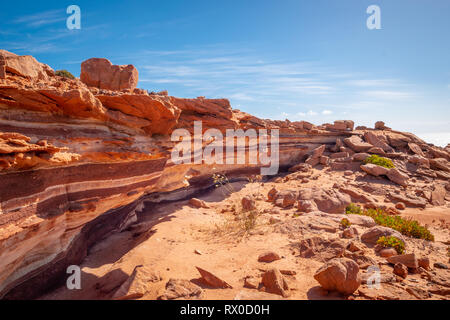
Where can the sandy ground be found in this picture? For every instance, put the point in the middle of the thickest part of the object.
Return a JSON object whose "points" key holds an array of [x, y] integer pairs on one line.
{"points": [[181, 237]]}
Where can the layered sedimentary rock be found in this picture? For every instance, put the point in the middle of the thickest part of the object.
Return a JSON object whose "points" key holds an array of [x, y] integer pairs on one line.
{"points": [[101, 73], [77, 158]]}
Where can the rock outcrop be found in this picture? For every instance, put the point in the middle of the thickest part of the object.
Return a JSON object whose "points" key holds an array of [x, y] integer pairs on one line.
{"points": [[102, 74], [340, 275], [78, 159]]}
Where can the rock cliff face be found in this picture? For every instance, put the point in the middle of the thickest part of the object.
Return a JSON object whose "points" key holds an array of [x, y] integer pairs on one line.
{"points": [[78, 157]]}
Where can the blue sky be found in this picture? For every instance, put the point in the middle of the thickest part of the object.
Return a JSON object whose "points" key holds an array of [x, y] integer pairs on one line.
{"points": [[301, 60]]}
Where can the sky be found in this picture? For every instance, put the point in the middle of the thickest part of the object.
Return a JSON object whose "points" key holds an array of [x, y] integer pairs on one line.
{"points": [[279, 59]]}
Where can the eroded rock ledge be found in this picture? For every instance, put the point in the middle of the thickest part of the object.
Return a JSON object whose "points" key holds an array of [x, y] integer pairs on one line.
{"points": [[77, 161]]}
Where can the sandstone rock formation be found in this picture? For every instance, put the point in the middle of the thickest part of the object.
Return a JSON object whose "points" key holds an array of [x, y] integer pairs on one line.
{"points": [[102, 74], [340, 275], [79, 160]]}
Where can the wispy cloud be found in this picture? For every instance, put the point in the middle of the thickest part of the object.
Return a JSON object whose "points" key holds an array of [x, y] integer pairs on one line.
{"points": [[52, 40], [42, 18], [238, 75], [388, 94]]}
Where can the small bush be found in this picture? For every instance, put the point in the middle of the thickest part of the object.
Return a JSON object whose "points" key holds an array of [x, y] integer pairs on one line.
{"points": [[249, 221], [345, 223], [407, 227], [392, 242], [353, 209], [379, 161], [65, 74]]}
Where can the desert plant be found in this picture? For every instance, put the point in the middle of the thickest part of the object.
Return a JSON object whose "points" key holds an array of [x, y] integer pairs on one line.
{"points": [[249, 220], [65, 74], [407, 227], [353, 209], [237, 226], [379, 161], [345, 223], [392, 242]]}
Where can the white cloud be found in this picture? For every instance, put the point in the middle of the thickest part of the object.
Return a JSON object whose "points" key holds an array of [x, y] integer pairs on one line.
{"points": [[327, 112], [374, 82], [42, 18], [388, 95]]}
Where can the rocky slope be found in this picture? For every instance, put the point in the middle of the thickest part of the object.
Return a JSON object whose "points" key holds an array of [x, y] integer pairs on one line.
{"points": [[78, 161]]}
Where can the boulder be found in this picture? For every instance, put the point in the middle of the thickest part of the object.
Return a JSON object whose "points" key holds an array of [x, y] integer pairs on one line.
{"points": [[339, 155], [251, 282], [409, 260], [25, 66], [307, 206], [372, 235], [424, 262], [341, 125], [400, 270], [138, 284], [379, 125], [378, 141], [274, 282], [360, 156], [438, 195], [419, 161], [360, 220], [314, 158], [440, 164], [248, 203], [350, 233], [332, 201], [321, 249], [272, 195], [357, 144], [397, 140], [212, 280], [416, 149], [285, 199], [181, 289], [340, 275], [408, 201], [301, 167], [376, 150], [374, 169], [102, 74], [324, 160], [400, 206], [356, 194], [268, 256], [387, 252], [337, 146], [398, 177]]}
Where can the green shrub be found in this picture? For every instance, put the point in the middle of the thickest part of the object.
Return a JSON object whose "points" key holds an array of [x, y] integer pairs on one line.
{"points": [[249, 220], [353, 209], [345, 223], [65, 74], [392, 242], [379, 161], [407, 227]]}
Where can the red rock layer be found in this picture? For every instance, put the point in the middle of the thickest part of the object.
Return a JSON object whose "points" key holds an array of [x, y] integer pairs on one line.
{"points": [[76, 161]]}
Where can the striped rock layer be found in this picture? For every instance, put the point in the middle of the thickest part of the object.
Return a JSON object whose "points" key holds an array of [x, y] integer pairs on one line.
{"points": [[76, 163]]}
